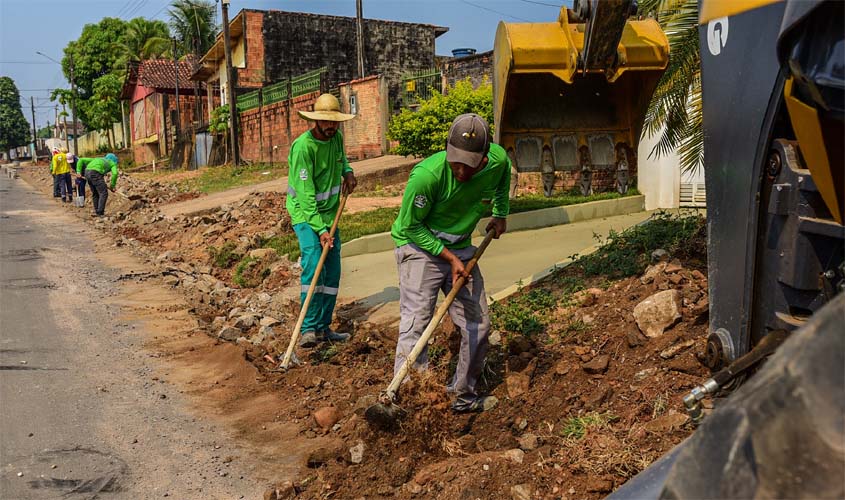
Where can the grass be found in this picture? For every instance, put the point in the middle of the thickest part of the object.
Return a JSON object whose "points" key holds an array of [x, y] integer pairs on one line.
{"points": [[245, 274], [225, 256], [523, 313], [324, 354], [215, 179], [577, 427]]}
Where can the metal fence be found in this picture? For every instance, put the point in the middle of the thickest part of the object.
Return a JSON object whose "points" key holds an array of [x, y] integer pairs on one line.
{"points": [[282, 90], [420, 85]]}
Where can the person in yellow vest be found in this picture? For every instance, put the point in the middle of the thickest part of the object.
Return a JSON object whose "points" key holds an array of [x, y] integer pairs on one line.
{"points": [[60, 169]]}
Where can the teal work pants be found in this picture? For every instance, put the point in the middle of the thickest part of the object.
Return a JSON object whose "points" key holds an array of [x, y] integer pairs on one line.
{"points": [[319, 315]]}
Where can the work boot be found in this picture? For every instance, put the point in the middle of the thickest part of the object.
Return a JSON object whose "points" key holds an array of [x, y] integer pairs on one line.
{"points": [[308, 340], [333, 336], [478, 405]]}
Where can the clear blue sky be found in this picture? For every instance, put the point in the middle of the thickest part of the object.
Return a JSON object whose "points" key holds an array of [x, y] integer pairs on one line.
{"points": [[27, 26]]}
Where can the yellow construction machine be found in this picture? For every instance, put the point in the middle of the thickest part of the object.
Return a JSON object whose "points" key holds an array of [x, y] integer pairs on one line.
{"points": [[570, 96]]}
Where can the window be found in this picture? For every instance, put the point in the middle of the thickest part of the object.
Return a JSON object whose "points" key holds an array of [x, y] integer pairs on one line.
{"points": [[353, 104]]}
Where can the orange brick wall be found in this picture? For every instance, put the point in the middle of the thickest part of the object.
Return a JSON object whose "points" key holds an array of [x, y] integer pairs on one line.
{"points": [[253, 74], [271, 124], [364, 135]]}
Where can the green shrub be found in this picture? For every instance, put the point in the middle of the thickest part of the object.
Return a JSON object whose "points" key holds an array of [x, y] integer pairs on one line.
{"points": [[523, 313], [423, 131], [224, 257], [248, 274]]}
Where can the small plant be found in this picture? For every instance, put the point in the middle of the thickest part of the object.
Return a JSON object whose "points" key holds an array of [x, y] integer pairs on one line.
{"points": [[246, 274], [659, 405], [577, 427], [436, 353], [324, 354], [225, 256], [575, 327]]}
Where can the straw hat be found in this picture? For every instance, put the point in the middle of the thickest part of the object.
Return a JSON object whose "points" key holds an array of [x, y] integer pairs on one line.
{"points": [[327, 107]]}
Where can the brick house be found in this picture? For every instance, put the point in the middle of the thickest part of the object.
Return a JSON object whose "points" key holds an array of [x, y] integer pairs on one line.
{"points": [[150, 88]]}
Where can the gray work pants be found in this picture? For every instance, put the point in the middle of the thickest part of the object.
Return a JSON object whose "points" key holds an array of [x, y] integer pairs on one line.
{"points": [[421, 277]]}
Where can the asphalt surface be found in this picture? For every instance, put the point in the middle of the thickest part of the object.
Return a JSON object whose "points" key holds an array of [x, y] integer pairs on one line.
{"points": [[81, 414]]}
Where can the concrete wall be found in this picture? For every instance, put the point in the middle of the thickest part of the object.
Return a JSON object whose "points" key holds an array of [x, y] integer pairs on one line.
{"points": [[296, 43], [365, 135], [659, 178], [89, 142], [478, 68]]}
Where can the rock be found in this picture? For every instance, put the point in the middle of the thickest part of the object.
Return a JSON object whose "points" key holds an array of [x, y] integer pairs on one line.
{"points": [[245, 322], [634, 337], [588, 319], [652, 272], [562, 367], [644, 373], [521, 492], [326, 417], [515, 455], [234, 312], [331, 451], [666, 423], [686, 363], [518, 384], [413, 488], [581, 350], [528, 442], [674, 267], [229, 333], [521, 423], [270, 494], [171, 280], [519, 344], [598, 485], [269, 321], [698, 275], [673, 350], [701, 307], [356, 453], [659, 255], [658, 313], [597, 365], [264, 298], [675, 279], [495, 338], [266, 254], [599, 398], [264, 333]]}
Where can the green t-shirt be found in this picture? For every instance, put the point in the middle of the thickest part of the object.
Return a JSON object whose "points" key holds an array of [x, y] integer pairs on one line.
{"points": [[98, 165], [315, 175], [438, 210]]}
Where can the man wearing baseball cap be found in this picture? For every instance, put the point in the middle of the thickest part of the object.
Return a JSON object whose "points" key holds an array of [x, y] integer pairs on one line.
{"points": [[446, 196], [319, 171], [94, 171]]}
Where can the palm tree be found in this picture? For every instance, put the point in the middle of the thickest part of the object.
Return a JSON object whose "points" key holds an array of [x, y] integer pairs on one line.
{"points": [[675, 108], [143, 39], [192, 22]]}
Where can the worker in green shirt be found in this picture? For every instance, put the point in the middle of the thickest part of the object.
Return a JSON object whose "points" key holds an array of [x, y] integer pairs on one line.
{"points": [[94, 170], [446, 196], [319, 171]]}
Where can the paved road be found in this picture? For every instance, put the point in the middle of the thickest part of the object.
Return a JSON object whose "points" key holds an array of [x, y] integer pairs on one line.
{"points": [[81, 414], [373, 279]]}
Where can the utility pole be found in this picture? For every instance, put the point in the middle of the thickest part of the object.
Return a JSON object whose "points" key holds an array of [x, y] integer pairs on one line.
{"points": [[64, 121], [178, 122], [233, 111], [34, 131], [359, 17], [56, 123], [73, 107]]}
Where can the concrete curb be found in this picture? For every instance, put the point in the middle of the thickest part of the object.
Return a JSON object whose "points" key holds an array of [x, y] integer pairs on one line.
{"points": [[522, 221]]}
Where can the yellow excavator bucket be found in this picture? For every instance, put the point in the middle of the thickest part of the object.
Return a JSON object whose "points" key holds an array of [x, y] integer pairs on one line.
{"points": [[574, 92]]}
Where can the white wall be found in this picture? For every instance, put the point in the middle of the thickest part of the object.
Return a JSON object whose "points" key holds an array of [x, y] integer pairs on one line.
{"points": [[659, 179]]}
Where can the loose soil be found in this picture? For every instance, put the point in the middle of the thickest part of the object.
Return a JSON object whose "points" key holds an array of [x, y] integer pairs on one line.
{"points": [[586, 401]]}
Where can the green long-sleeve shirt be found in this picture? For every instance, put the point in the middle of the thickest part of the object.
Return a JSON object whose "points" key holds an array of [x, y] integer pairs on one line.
{"points": [[315, 176], [98, 165], [438, 210]]}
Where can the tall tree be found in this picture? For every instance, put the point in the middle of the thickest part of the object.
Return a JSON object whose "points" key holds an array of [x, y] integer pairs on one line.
{"points": [[103, 108], [675, 109], [14, 129], [143, 39], [192, 23]]}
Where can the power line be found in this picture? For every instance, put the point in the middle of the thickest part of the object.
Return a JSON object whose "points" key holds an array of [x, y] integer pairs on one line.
{"points": [[25, 62], [495, 11], [136, 9], [542, 3]]}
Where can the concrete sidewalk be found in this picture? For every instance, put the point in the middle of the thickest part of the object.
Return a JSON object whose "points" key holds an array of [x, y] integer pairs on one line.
{"points": [[384, 170], [372, 278]]}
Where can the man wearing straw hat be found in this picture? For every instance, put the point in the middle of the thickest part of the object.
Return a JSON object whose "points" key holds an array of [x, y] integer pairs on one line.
{"points": [[319, 171]]}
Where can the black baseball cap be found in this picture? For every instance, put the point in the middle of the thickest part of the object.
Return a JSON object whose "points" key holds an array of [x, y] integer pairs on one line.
{"points": [[469, 140]]}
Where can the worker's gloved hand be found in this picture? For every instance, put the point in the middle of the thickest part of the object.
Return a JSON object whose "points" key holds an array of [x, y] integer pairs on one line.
{"points": [[499, 225], [349, 182], [326, 239]]}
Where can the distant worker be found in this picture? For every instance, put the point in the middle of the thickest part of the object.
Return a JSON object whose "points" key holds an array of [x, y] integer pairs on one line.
{"points": [[318, 172], [547, 168], [446, 196], [61, 175], [94, 171]]}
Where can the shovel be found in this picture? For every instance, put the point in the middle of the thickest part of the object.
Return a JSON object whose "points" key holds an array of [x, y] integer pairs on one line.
{"points": [[294, 338], [385, 412]]}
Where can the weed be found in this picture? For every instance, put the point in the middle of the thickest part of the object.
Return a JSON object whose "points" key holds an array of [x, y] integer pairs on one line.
{"points": [[627, 253], [436, 354], [659, 405], [214, 179], [324, 354], [577, 427], [575, 327], [246, 276], [225, 256]]}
